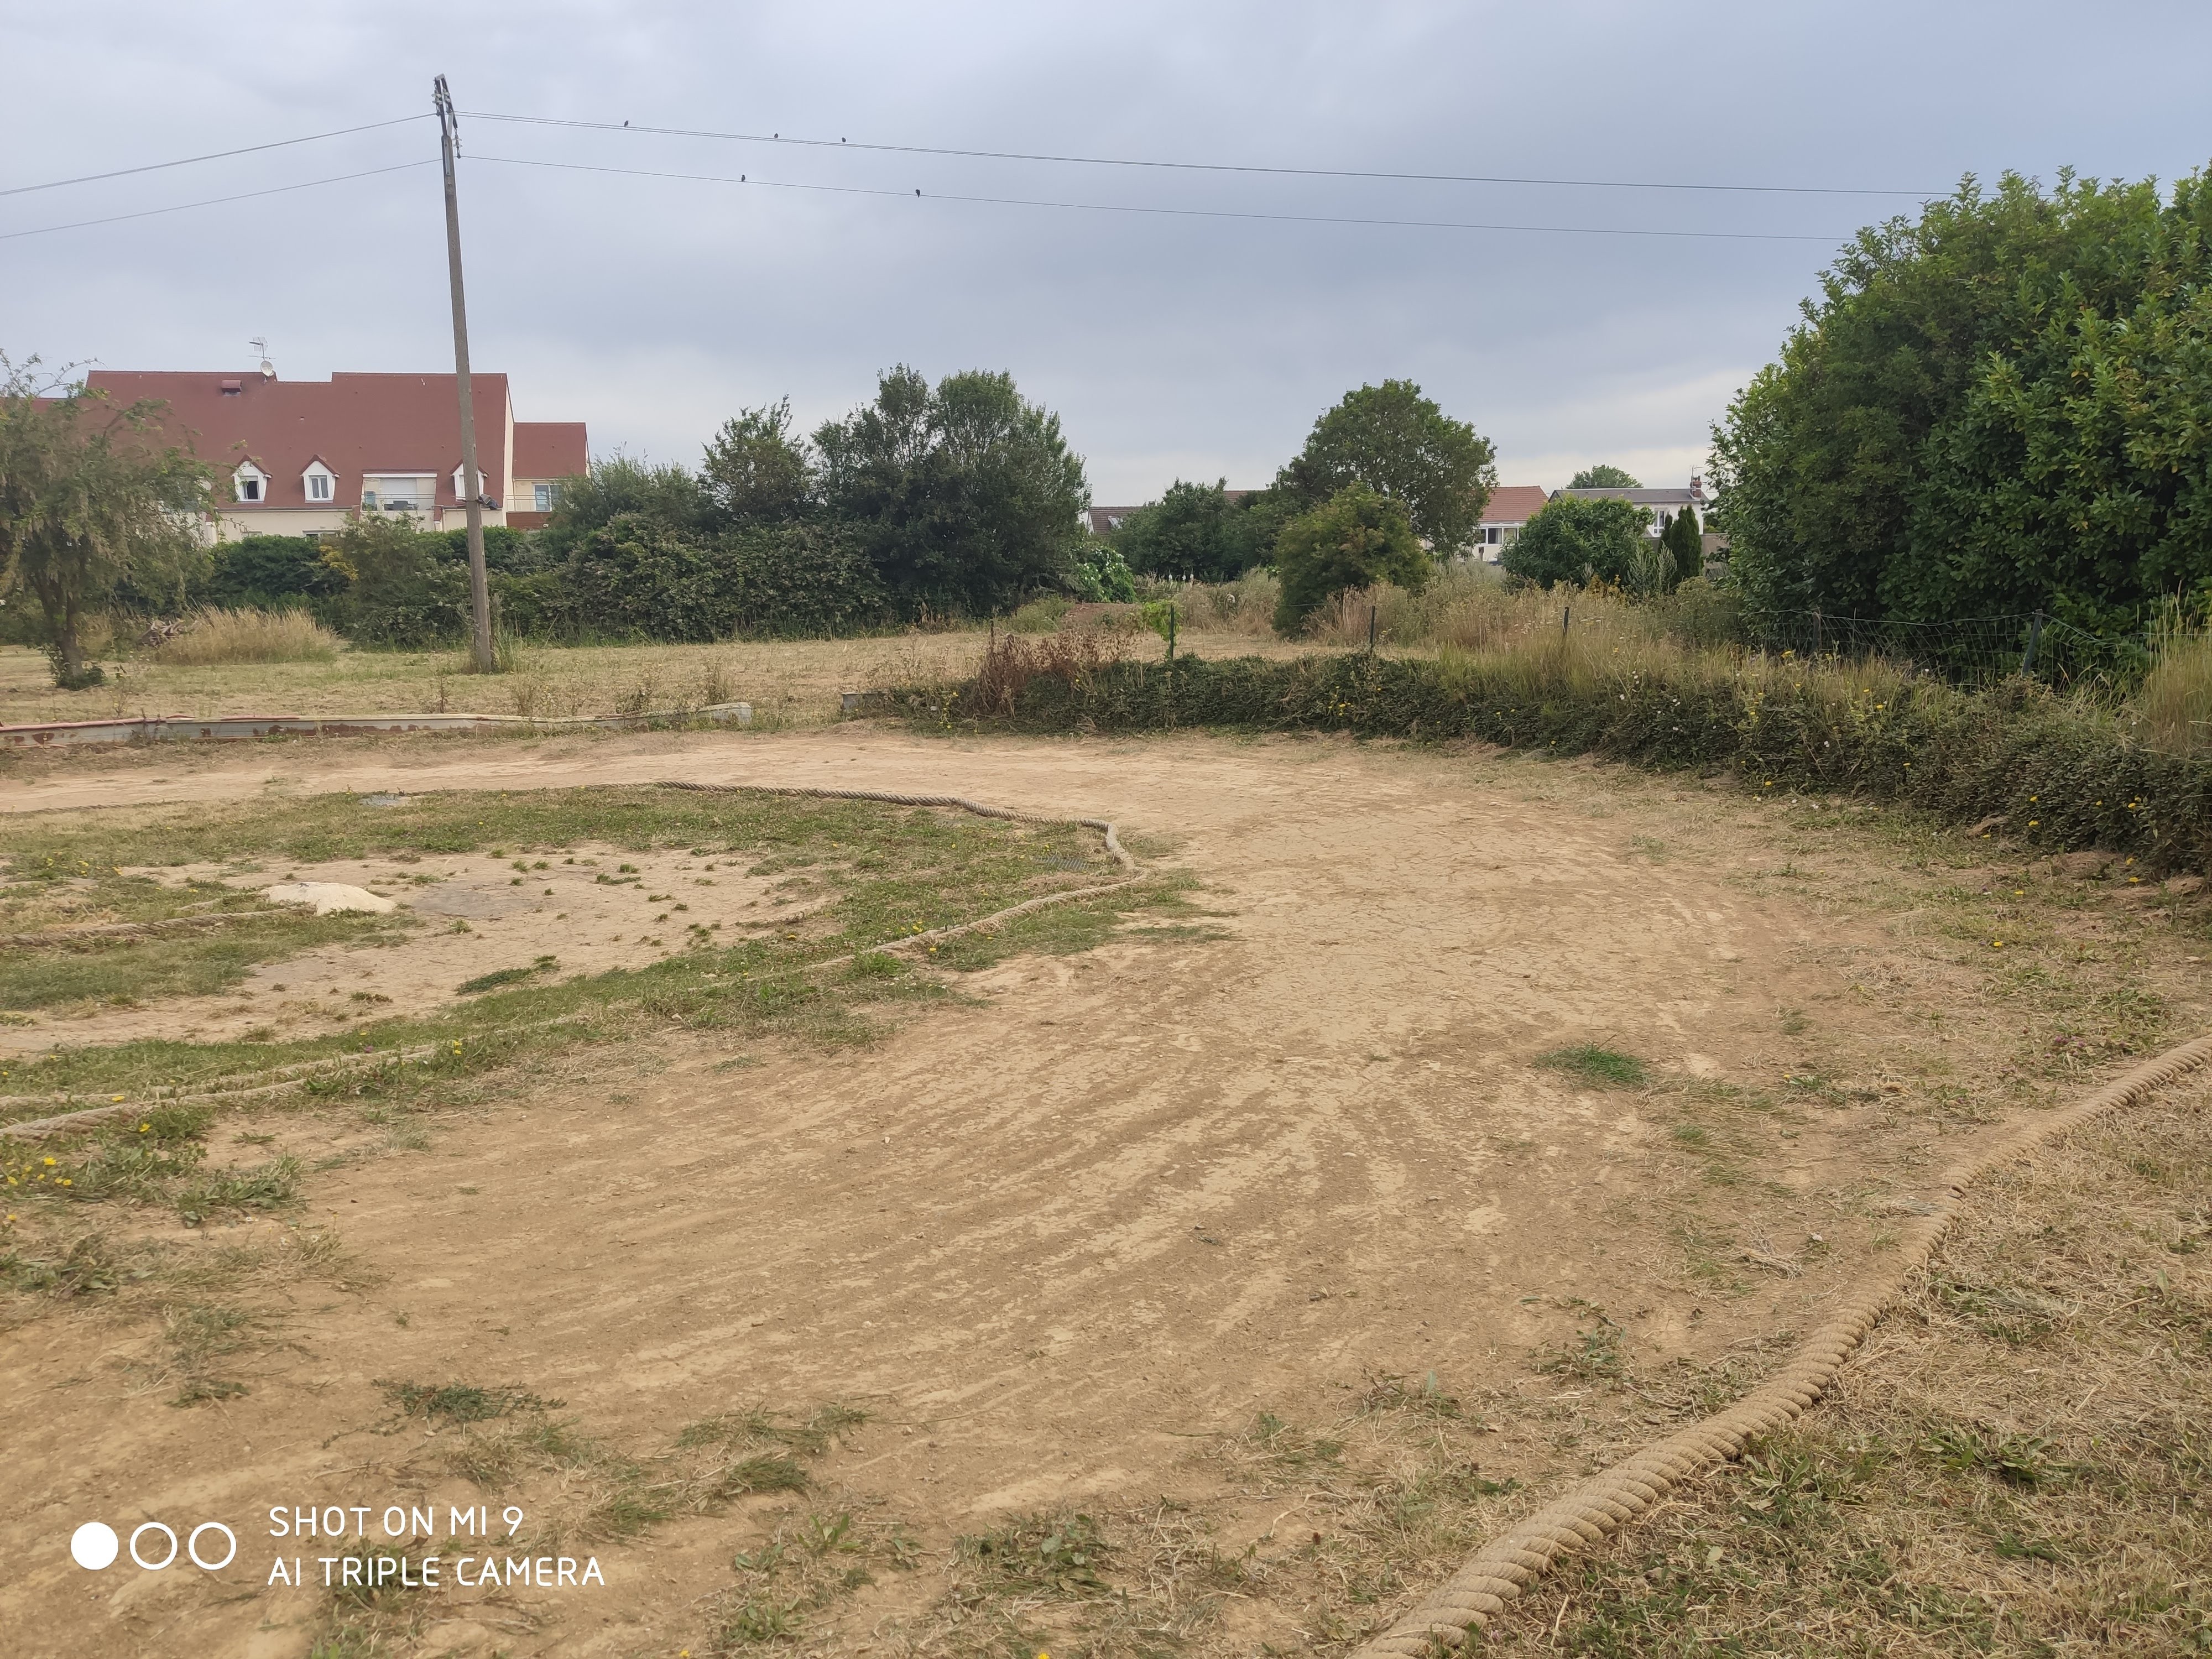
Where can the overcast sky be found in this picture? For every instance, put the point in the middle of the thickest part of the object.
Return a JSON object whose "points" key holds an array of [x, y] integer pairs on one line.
{"points": [[1169, 345]]}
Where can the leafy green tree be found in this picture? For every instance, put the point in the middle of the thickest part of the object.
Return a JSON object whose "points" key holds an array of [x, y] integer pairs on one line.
{"points": [[1996, 407], [1579, 539], [90, 501], [1194, 531], [757, 472], [1356, 538], [1400, 444], [669, 494], [1603, 476], [966, 493], [1684, 540]]}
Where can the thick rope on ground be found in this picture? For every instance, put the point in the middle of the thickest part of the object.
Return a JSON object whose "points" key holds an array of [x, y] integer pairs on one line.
{"points": [[1586, 1512]]}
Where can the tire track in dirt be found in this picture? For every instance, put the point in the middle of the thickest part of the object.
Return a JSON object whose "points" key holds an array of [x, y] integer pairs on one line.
{"points": [[1128, 1196]]}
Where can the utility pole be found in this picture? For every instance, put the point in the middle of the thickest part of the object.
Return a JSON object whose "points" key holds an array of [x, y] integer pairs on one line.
{"points": [[480, 651]]}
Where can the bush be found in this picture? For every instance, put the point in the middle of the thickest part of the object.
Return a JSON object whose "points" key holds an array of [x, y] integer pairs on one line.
{"points": [[1578, 538], [1354, 539], [269, 573], [638, 577], [2057, 773], [217, 636]]}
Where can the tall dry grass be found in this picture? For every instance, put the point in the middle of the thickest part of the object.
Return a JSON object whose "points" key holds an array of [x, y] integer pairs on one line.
{"points": [[2173, 708], [220, 636]]}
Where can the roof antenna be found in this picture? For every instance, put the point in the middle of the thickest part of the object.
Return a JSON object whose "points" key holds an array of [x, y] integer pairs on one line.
{"points": [[268, 368]]}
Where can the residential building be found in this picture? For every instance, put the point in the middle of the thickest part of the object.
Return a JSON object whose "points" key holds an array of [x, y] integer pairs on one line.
{"points": [[1504, 516], [1662, 504], [1105, 520], [299, 456]]}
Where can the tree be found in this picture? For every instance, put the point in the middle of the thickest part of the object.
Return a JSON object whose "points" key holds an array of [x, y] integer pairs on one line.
{"points": [[1603, 476], [967, 494], [1578, 538], [1398, 443], [756, 471], [1684, 541], [1194, 531], [88, 503], [669, 494], [1356, 538], [1995, 408]]}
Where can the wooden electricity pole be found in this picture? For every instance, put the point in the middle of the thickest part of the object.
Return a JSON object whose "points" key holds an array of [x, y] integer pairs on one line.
{"points": [[480, 651]]}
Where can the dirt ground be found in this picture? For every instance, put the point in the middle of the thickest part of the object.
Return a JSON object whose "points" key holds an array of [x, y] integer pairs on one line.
{"points": [[1064, 1242], [477, 916]]}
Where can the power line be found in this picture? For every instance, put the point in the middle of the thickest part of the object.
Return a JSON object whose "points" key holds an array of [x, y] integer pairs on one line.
{"points": [[216, 201], [213, 155], [1172, 212], [1192, 167]]}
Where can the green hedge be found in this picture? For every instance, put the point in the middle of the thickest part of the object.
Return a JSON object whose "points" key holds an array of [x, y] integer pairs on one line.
{"points": [[2060, 775]]}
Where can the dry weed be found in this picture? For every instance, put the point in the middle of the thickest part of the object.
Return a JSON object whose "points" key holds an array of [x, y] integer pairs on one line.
{"points": [[220, 636]]}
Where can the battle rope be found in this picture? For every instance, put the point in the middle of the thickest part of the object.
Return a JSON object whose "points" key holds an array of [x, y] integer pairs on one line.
{"points": [[1608, 1500]]}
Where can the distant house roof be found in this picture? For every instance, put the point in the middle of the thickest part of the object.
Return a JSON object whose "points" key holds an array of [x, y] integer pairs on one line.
{"points": [[354, 423], [1515, 503], [1671, 500], [549, 449], [1104, 521]]}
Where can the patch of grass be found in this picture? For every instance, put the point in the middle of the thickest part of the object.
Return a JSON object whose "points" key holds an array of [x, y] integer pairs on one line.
{"points": [[1952, 1494], [882, 873], [1059, 1556], [459, 1402], [1605, 1068]]}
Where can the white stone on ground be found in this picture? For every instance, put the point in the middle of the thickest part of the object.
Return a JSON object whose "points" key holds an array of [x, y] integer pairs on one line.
{"points": [[326, 897]]}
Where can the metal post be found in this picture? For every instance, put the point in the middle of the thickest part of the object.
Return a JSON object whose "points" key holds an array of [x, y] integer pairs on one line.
{"points": [[1566, 613], [1816, 634], [2034, 638], [480, 651], [1371, 630], [1171, 631]]}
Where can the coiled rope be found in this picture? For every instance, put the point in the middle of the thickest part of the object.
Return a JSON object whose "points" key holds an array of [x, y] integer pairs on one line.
{"points": [[1610, 1499]]}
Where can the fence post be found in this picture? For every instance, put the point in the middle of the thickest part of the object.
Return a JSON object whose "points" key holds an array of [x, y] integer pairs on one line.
{"points": [[1171, 625], [1566, 613], [1371, 630], [2034, 639], [1816, 634]]}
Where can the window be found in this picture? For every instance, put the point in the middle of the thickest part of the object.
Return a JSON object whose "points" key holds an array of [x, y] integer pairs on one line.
{"points": [[318, 485], [400, 492], [249, 489], [250, 484], [544, 497]]}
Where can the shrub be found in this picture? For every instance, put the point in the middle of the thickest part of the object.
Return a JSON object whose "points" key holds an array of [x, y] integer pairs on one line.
{"points": [[1354, 539], [2057, 773], [639, 577], [1578, 538], [218, 635]]}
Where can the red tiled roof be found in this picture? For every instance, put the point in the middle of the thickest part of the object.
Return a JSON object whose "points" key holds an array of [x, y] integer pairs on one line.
{"points": [[358, 423], [1515, 503], [549, 449]]}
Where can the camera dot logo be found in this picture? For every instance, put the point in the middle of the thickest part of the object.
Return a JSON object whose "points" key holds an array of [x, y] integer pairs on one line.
{"points": [[93, 1546]]}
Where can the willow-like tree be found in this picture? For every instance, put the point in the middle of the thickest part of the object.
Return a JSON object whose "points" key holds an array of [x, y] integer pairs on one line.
{"points": [[90, 501]]}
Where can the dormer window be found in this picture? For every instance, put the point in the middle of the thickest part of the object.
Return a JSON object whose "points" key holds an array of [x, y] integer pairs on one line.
{"points": [[321, 483], [252, 484]]}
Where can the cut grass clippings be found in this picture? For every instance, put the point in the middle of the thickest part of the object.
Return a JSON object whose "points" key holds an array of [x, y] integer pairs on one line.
{"points": [[1588, 1063]]}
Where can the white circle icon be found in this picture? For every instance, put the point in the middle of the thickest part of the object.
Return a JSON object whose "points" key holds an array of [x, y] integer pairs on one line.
{"points": [[93, 1546], [153, 1526], [192, 1547]]}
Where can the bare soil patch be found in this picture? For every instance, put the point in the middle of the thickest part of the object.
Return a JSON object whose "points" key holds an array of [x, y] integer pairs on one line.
{"points": [[1252, 1258]]}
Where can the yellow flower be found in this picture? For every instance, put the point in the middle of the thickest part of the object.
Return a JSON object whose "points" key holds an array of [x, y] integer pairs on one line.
{"points": [[115, 1097], [48, 1162], [1997, 944]]}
